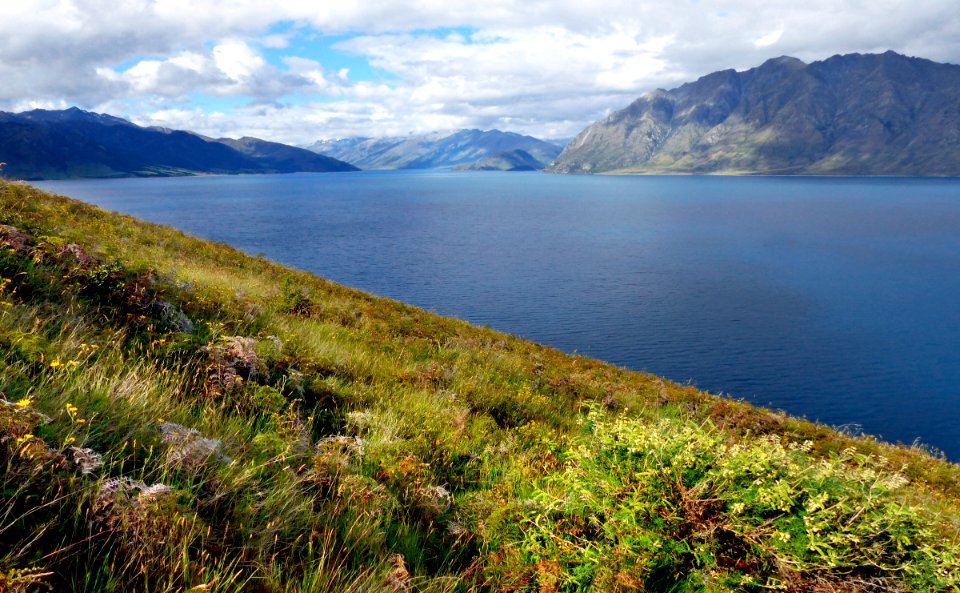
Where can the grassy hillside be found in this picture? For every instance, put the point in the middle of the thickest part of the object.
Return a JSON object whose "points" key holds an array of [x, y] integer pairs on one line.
{"points": [[178, 416]]}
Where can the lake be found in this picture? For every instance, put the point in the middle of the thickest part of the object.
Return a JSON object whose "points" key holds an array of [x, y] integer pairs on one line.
{"points": [[837, 299]]}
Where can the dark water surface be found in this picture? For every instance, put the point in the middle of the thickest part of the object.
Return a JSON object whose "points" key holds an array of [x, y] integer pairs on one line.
{"points": [[833, 298]]}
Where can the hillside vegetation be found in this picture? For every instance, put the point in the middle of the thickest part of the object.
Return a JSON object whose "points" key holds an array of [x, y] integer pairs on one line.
{"points": [[511, 160], [179, 416]]}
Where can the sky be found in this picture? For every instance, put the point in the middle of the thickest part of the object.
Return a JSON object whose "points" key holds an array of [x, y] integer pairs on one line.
{"points": [[298, 71]]}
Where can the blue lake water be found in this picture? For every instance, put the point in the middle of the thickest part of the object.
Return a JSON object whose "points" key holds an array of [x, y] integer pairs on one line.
{"points": [[837, 299]]}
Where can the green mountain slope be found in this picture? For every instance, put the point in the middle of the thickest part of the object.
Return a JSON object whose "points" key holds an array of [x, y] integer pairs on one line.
{"points": [[43, 144], [282, 158], [849, 115], [178, 416], [512, 160]]}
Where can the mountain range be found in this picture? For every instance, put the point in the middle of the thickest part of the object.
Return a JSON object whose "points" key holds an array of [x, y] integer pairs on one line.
{"points": [[437, 150], [870, 114], [42, 144], [855, 114]]}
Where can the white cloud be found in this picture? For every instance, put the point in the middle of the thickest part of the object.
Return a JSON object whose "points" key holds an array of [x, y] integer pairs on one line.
{"points": [[546, 67], [236, 60], [275, 41], [770, 38], [309, 70]]}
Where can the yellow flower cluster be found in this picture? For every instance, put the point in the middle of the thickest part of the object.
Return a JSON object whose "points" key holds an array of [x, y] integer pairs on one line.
{"points": [[72, 412]]}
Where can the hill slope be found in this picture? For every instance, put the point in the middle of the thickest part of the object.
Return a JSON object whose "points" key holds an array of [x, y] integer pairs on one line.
{"points": [[176, 415], [511, 160], [73, 143], [853, 115], [432, 151], [282, 158]]}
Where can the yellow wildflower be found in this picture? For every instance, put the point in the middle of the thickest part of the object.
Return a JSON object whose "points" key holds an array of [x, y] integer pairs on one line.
{"points": [[23, 403]]}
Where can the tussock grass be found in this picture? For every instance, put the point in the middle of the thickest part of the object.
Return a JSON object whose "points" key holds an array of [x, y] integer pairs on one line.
{"points": [[178, 416]]}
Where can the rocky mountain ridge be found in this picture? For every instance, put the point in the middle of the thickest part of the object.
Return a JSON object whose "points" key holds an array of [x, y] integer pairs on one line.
{"points": [[855, 114]]}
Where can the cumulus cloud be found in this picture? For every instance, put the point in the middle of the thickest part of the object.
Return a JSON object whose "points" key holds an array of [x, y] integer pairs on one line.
{"points": [[546, 67]]}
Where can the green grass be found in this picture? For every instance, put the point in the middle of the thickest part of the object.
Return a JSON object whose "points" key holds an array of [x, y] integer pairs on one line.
{"points": [[179, 416]]}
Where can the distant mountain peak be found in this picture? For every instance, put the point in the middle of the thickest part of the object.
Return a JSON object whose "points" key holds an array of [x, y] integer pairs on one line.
{"points": [[788, 61], [853, 114], [451, 149], [73, 114]]}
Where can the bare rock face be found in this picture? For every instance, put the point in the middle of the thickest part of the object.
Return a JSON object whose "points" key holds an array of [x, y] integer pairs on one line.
{"points": [[855, 114]]}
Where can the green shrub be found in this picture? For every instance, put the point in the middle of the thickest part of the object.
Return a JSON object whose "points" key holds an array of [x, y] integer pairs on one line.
{"points": [[294, 297], [680, 506]]}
